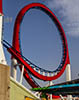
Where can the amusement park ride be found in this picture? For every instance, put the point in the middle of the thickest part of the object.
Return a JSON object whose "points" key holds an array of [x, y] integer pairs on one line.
{"points": [[28, 68]]}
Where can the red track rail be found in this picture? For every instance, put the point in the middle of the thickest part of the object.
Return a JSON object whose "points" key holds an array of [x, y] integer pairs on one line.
{"points": [[31, 70], [32, 83], [1, 11], [16, 43]]}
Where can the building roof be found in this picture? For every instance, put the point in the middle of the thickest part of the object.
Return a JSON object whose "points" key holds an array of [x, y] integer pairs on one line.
{"points": [[66, 88]]}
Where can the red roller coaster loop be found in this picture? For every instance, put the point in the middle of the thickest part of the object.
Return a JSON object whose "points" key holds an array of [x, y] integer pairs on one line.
{"points": [[16, 44]]}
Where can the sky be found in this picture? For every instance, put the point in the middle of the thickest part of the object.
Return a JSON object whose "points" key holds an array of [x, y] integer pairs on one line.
{"points": [[40, 40]]}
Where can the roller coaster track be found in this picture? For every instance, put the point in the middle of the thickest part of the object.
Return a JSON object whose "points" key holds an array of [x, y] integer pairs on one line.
{"points": [[29, 67], [15, 54]]}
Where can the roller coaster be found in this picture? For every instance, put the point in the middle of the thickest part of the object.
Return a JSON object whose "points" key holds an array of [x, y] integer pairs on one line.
{"points": [[31, 69]]}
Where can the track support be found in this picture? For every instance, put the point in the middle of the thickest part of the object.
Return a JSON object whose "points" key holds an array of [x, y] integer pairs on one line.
{"points": [[68, 73], [22, 75], [13, 68], [68, 78], [2, 56]]}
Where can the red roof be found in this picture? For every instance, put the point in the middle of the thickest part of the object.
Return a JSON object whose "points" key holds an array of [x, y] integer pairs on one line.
{"points": [[55, 97], [1, 12]]}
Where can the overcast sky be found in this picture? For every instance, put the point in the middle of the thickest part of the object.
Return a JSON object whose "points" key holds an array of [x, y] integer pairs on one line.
{"points": [[40, 40]]}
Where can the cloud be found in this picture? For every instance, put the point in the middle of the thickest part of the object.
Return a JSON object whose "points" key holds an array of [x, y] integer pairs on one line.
{"points": [[68, 12]]}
